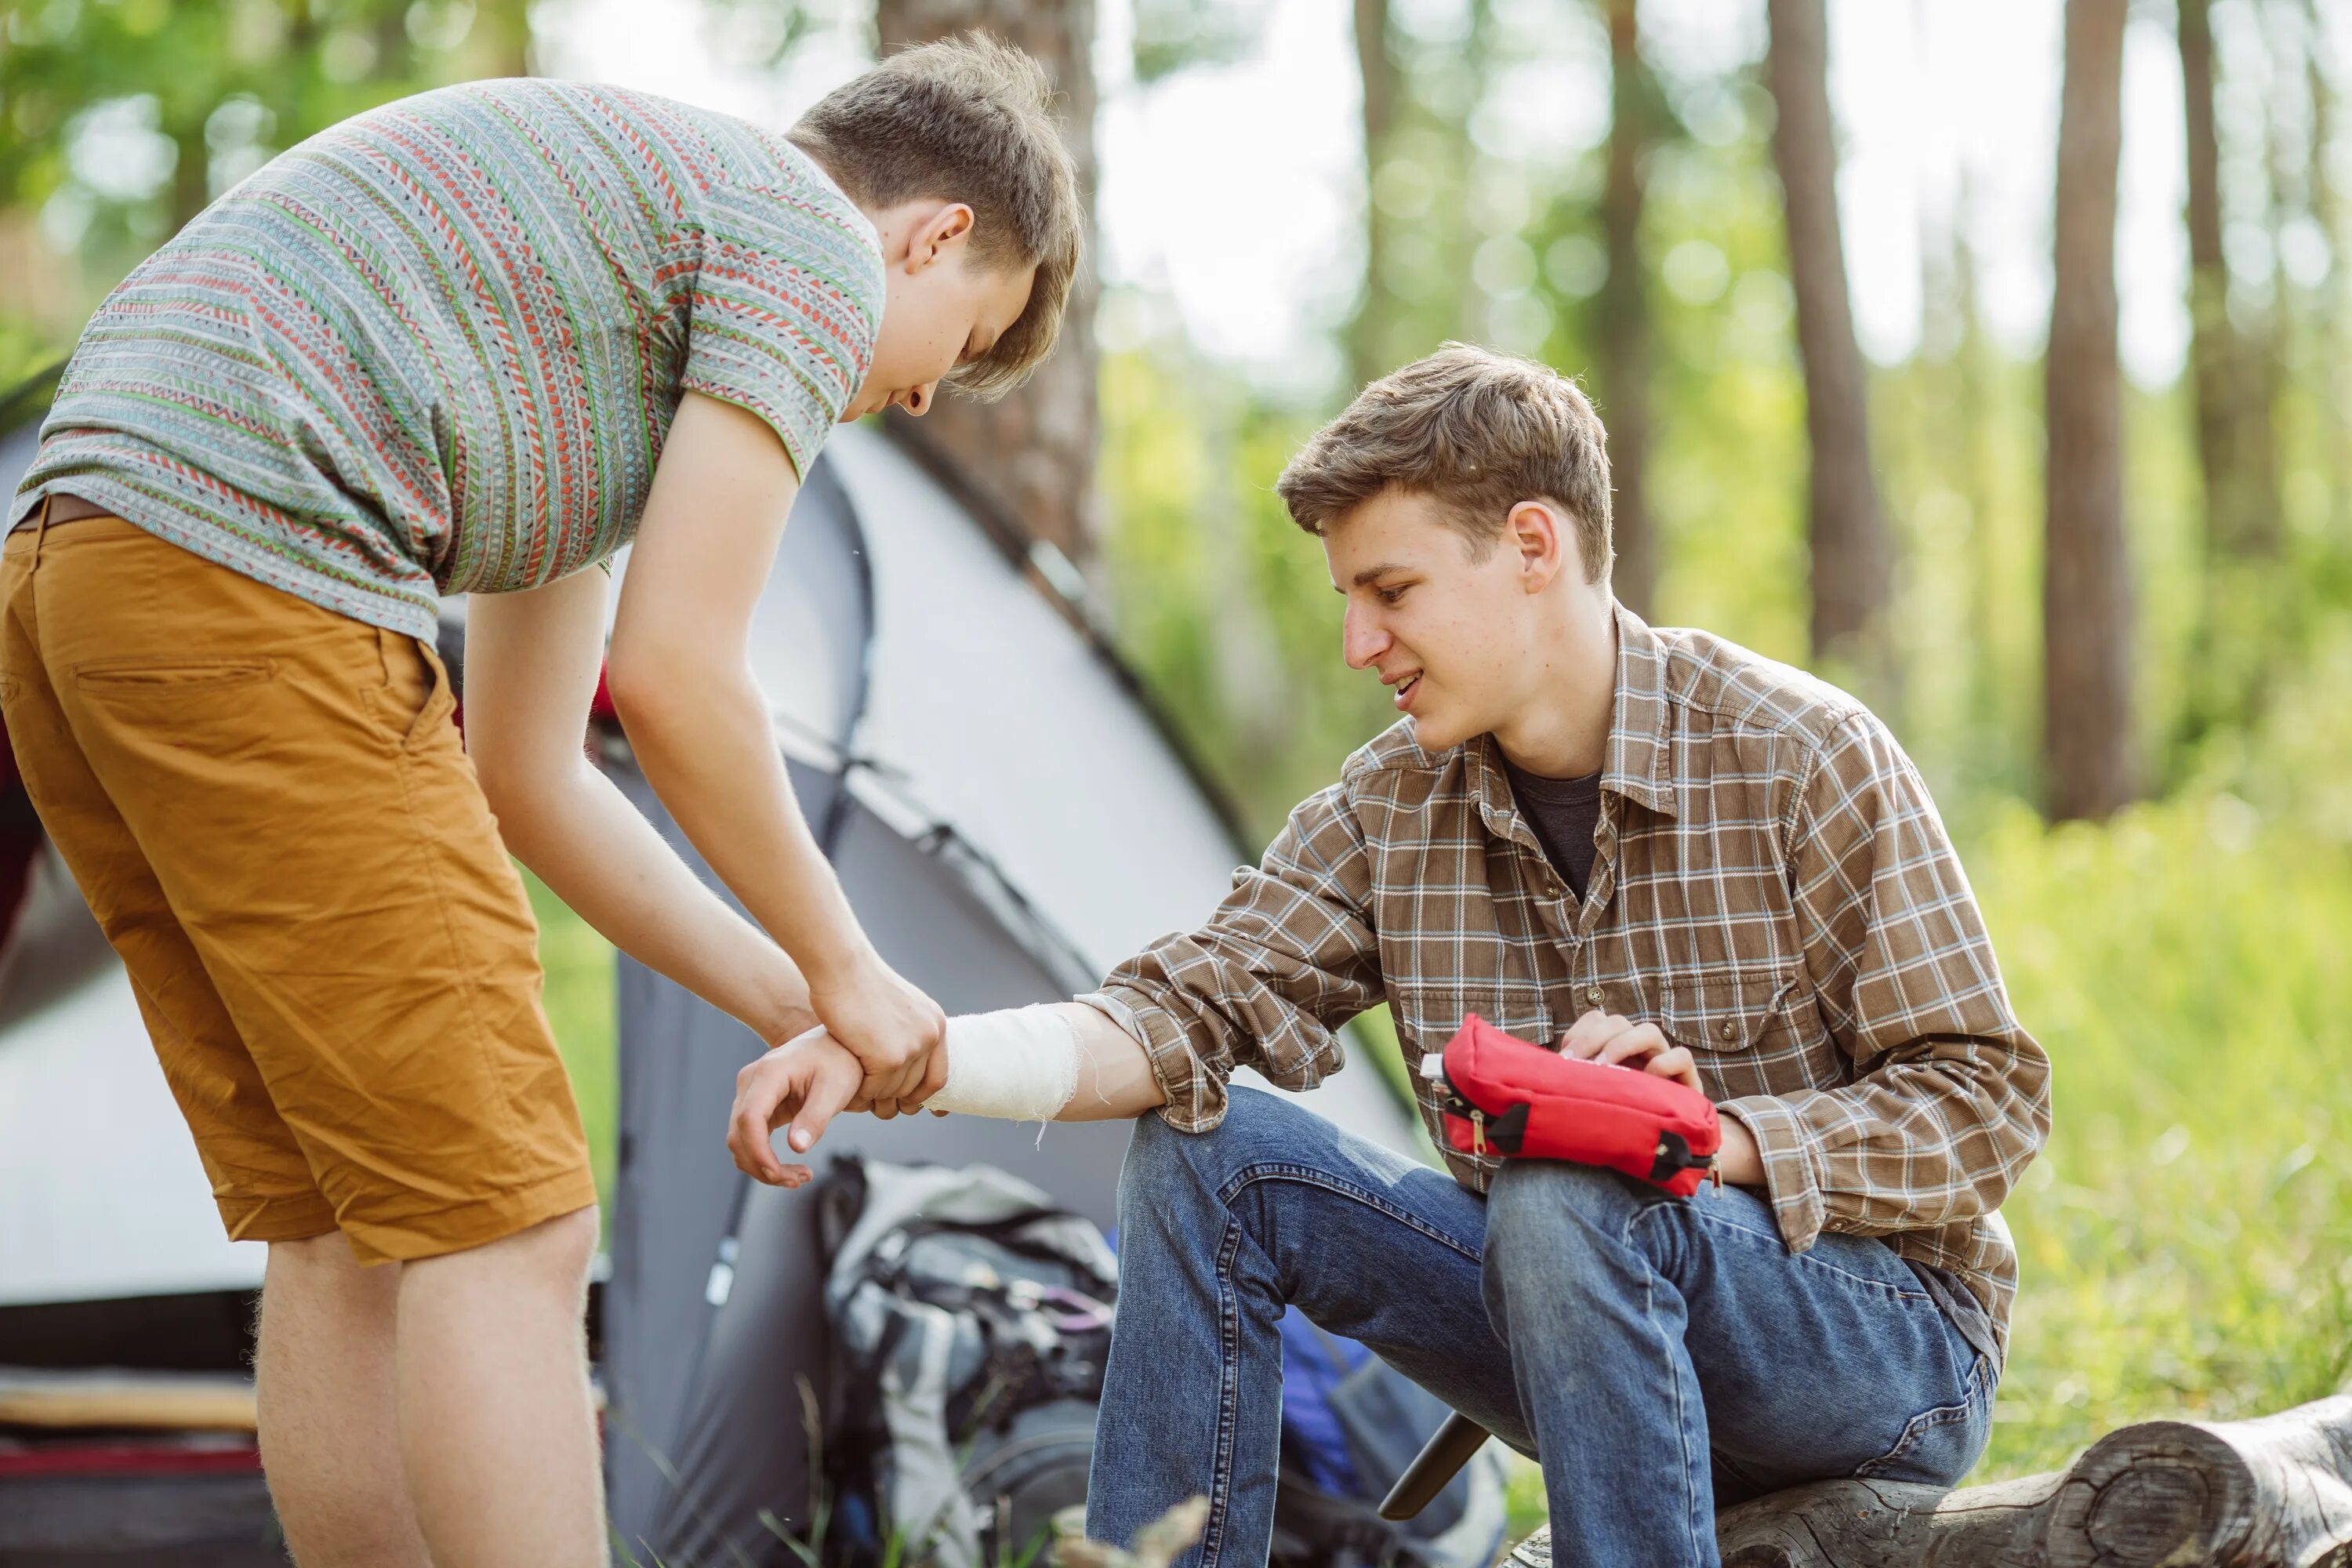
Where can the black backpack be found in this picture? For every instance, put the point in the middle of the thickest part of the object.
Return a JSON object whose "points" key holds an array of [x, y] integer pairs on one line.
{"points": [[971, 1318]]}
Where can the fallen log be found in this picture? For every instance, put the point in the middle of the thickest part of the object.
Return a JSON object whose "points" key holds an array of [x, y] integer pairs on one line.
{"points": [[2269, 1493]]}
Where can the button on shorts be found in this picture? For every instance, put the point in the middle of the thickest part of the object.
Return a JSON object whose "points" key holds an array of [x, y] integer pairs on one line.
{"points": [[274, 819]]}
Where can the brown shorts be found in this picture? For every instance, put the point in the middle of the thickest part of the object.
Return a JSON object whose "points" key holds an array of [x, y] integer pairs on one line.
{"points": [[274, 821]]}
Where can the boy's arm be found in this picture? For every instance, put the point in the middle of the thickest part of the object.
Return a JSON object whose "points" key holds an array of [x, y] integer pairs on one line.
{"points": [[1113, 1083], [530, 671], [1288, 956], [1953, 1096], [681, 680]]}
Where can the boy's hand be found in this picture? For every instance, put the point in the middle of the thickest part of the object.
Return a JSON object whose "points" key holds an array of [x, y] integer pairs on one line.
{"points": [[1617, 1041], [892, 1029], [807, 1081], [1607, 1037]]}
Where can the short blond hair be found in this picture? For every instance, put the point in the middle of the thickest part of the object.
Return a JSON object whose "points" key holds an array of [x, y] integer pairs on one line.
{"points": [[966, 120], [1475, 431]]}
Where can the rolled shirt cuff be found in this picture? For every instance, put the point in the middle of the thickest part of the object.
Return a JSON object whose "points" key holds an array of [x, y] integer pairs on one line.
{"points": [[1195, 1092], [1792, 1180]]}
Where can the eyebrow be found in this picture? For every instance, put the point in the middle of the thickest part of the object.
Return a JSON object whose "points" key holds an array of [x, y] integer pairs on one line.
{"points": [[1370, 573]]}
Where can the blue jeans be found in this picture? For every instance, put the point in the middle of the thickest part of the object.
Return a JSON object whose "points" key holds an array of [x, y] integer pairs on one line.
{"points": [[1661, 1356]]}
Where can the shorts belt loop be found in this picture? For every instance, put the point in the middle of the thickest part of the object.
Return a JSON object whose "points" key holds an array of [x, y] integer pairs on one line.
{"points": [[41, 529]]}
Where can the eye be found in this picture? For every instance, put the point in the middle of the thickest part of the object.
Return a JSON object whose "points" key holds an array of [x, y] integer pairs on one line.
{"points": [[1390, 596]]}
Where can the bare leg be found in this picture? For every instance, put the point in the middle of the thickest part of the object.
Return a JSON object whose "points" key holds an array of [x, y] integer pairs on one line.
{"points": [[329, 1440], [495, 1422]]}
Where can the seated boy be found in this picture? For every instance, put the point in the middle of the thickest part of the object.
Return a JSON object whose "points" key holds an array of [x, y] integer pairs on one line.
{"points": [[1655, 847], [475, 342]]}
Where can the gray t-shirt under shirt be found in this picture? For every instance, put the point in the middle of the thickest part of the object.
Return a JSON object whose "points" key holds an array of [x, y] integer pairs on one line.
{"points": [[1563, 813]]}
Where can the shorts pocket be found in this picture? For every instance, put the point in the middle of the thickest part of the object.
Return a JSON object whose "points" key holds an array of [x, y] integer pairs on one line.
{"points": [[418, 693], [134, 677]]}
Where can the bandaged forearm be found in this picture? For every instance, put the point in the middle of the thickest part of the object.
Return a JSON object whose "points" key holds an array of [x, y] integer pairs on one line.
{"points": [[1020, 1064]]}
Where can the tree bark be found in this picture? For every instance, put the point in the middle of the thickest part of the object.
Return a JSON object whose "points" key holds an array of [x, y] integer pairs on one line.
{"points": [[2232, 377], [2086, 604], [2270, 1493], [1853, 572], [1031, 457], [1371, 351], [2327, 209], [1624, 347]]}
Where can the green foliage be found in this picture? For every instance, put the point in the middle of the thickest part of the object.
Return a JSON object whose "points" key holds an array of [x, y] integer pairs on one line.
{"points": [[2183, 1242], [120, 118], [582, 1008]]}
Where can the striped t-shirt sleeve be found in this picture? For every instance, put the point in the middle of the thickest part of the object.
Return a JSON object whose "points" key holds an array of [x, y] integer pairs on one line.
{"points": [[786, 302]]}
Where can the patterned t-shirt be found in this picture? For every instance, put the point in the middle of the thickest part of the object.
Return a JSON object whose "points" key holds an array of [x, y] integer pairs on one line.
{"points": [[435, 349]]}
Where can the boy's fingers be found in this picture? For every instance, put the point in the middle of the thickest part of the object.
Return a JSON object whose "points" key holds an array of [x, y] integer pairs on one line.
{"points": [[934, 1078], [1584, 1037], [1677, 1063], [748, 1131], [1635, 1041], [1589, 1035], [828, 1092]]}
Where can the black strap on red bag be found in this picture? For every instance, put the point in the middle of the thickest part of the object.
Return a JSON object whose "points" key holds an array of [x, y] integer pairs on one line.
{"points": [[1504, 1095]]}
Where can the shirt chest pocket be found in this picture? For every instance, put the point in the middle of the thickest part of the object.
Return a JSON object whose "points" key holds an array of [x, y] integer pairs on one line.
{"points": [[1726, 1011], [1752, 1030]]}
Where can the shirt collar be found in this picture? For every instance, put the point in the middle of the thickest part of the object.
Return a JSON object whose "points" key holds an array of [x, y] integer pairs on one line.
{"points": [[1639, 750]]}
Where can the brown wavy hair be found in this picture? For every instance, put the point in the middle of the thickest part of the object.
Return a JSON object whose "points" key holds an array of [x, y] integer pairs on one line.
{"points": [[969, 120], [1477, 432]]}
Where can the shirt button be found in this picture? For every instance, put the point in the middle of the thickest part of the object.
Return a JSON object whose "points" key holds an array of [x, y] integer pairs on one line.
{"points": [[1594, 995], [1728, 1030]]}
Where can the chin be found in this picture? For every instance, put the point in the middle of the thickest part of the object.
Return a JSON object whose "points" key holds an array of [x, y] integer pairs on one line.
{"points": [[1437, 734]]}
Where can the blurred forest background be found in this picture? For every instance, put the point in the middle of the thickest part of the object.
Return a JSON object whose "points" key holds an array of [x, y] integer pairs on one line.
{"points": [[2110, 614]]}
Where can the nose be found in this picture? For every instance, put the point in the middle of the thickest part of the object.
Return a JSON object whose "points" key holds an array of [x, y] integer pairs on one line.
{"points": [[917, 400], [1362, 639]]}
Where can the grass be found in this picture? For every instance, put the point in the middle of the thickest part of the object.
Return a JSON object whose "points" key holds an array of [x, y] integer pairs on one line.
{"points": [[2186, 1242]]}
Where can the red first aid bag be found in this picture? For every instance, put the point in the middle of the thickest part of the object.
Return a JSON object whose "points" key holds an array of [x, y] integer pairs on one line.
{"points": [[1504, 1095]]}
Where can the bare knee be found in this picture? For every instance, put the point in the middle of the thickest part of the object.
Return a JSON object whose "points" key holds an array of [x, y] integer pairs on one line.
{"points": [[553, 1254], [319, 1276]]}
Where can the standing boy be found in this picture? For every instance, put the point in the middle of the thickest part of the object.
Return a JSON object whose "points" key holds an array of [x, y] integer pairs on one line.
{"points": [[476, 341], [1650, 845]]}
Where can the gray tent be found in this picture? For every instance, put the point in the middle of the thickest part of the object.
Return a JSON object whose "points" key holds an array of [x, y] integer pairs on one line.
{"points": [[1009, 820]]}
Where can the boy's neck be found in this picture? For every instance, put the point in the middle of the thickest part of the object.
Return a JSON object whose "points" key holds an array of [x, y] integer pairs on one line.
{"points": [[1562, 730]]}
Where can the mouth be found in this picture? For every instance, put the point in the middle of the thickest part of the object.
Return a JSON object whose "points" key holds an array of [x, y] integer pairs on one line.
{"points": [[1404, 691]]}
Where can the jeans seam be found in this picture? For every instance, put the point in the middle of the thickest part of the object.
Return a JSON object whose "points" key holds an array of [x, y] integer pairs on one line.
{"points": [[1806, 1256], [1926, 1421], [1306, 1175], [1673, 1377], [1229, 1357]]}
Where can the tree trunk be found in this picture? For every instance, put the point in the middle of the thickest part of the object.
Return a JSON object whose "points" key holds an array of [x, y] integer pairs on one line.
{"points": [[2272, 1493], [2086, 601], [2327, 209], [2235, 447], [191, 173], [1623, 311], [1851, 565], [1979, 460], [1371, 351], [1030, 458]]}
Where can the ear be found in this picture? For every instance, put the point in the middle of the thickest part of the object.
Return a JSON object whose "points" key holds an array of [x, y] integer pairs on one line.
{"points": [[1535, 530], [934, 237]]}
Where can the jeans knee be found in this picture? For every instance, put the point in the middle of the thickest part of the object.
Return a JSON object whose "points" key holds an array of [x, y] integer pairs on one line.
{"points": [[1548, 1214]]}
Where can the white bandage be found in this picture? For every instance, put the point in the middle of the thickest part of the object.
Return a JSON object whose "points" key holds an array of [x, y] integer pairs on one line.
{"points": [[1020, 1064]]}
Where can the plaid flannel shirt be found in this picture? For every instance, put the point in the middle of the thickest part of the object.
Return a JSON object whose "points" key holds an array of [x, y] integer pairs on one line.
{"points": [[1772, 888]]}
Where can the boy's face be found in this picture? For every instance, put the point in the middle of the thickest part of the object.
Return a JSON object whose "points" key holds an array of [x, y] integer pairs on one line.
{"points": [[1453, 638], [943, 307]]}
